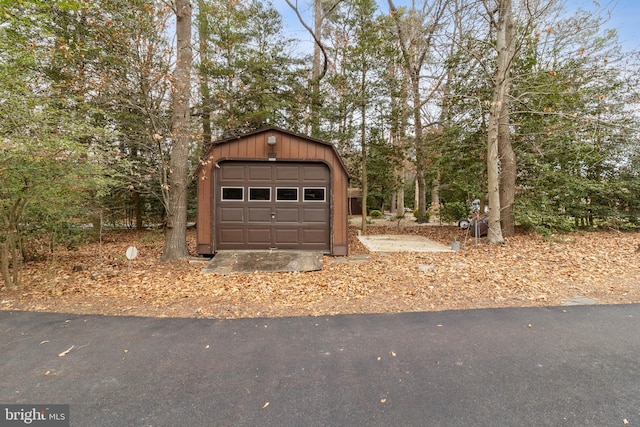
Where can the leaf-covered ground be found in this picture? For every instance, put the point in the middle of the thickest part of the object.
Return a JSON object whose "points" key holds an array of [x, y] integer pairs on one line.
{"points": [[528, 271]]}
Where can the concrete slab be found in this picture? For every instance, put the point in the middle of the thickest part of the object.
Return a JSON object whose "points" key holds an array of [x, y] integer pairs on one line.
{"points": [[579, 300], [227, 262], [402, 243], [351, 259]]}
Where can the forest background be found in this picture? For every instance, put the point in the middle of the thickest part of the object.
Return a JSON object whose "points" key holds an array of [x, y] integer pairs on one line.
{"points": [[107, 105]]}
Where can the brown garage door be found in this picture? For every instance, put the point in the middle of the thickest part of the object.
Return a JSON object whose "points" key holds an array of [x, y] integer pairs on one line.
{"points": [[262, 205]]}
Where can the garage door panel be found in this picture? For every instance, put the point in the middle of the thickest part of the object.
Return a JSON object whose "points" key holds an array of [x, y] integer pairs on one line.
{"points": [[260, 235], [233, 173], [289, 214], [231, 235], [260, 214], [315, 173], [314, 215], [232, 214], [314, 236], [288, 173], [259, 173], [289, 218], [287, 236]]}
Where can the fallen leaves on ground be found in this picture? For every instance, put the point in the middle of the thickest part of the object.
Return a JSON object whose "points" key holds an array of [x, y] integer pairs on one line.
{"points": [[64, 353], [528, 271]]}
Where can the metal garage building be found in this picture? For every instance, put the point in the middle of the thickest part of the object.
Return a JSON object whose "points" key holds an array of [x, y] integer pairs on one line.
{"points": [[272, 189]]}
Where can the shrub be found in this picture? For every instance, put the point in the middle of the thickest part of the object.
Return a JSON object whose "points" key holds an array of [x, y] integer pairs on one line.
{"points": [[452, 212], [375, 214], [427, 215]]}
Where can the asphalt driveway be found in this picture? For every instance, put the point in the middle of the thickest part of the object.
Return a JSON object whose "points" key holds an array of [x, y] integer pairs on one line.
{"points": [[565, 366]]}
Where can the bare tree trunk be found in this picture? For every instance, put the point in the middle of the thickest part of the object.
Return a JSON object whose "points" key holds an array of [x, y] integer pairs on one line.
{"points": [[11, 251], [399, 193], [319, 68], [494, 234], [435, 194], [507, 173], [137, 209], [420, 150], [400, 198], [414, 52], [398, 136], [316, 69], [365, 184], [363, 143], [5, 266], [505, 149], [175, 246], [421, 198], [205, 92], [506, 53]]}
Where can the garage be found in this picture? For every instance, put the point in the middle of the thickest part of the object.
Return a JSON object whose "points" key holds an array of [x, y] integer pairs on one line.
{"points": [[272, 205], [272, 189]]}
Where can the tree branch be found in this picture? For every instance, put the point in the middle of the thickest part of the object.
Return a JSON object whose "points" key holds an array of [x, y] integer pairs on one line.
{"points": [[317, 41]]}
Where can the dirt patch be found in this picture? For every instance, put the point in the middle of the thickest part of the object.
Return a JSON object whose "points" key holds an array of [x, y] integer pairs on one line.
{"points": [[527, 271]]}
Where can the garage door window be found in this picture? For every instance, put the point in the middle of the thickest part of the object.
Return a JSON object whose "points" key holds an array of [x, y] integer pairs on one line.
{"points": [[287, 194], [232, 193], [260, 194], [314, 195]]}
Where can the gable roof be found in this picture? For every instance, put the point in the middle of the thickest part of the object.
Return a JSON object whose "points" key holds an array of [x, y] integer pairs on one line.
{"points": [[265, 130], [269, 129]]}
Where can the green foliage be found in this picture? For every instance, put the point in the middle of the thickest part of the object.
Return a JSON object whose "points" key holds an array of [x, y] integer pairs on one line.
{"points": [[383, 160], [376, 214], [462, 165], [357, 91], [541, 219], [252, 77], [47, 180], [576, 135], [453, 211], [574, 128], [51, 162], [427, 215]]}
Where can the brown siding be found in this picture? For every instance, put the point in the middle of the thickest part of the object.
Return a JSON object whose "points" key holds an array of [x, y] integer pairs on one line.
{"points": [[203, 221], [289, 147]]}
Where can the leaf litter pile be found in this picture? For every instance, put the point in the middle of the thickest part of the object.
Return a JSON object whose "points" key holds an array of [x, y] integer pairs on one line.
{"points": [[528, 271]]}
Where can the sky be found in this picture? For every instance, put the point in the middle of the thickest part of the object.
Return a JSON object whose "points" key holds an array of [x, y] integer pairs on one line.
{"points": [[625, 17]]}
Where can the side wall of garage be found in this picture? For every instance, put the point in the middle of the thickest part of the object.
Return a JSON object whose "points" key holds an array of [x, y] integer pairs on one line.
{"points": [[284, 147]]}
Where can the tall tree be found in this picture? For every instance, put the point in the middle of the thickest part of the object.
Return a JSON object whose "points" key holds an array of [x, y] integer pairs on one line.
{"points": [[416, 32], [363, 54], [506, 51], [175, 188], [321, 10], [134, 95], [205, 9], [249, 75], [397, 84], [317, 68], [516, 34]]}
